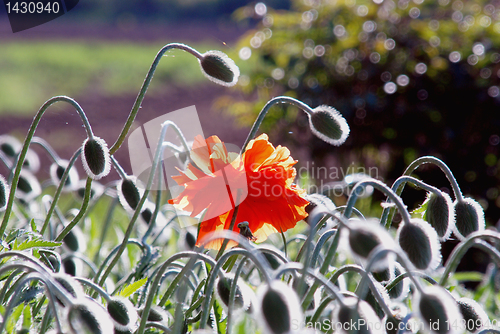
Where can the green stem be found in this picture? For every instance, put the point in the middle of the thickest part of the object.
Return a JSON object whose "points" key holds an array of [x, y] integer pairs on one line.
{"points": [[94, 286], [59, 190], [263, 112], [80, 214], [24, 151], [144, 88], [407, 274]]}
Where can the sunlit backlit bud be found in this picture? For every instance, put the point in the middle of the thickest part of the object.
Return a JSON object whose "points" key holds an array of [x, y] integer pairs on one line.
{"points": [[219, 68], [4, 193], [75, 240], [69, 284], [10, 146], [95, 158], [123, 314], [438, 310], [156, 314], [469, 217], [129, 194], [329, 125], [359, 313], [279, 308], [420, 243], [365, 236], [402, 289], [384, 275], [440, 214], [56, 172], [87, 316], [322, 202], [72, 266], [31, 161], [28, 187], [242, 297], [474, 315]]}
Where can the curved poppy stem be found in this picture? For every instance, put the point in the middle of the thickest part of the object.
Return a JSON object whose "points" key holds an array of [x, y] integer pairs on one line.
{"points": [[94, 286], [388, 213], [232, 294], [59, 189], [460, 250], [50, 151], [22, 155], [144, 88], [407, 274], [263, 112]]}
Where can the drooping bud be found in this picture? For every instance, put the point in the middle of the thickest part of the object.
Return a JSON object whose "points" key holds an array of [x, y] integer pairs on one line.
{"points": [[329, 125], [438, 310], [402, 289], [86, 316], [440, 214], [28, 187], [279, 307], [96, 189], [10, 146], [420, 243], [72, 266], [56, 172], [4, 193], [469, 217], [321, 201], [474, 315], [75, 240], [370, 299], [242, 297], [129, 193], [365, 236], [219, 68], [359, 313], [95, 158], [156, 314], [70, 285], [123, 314]]}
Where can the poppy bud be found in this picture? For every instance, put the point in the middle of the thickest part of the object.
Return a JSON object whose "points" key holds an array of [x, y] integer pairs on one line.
{"points": [[72, 266], [365, 236], [370, 299], [96, 189], [28, 187], [279, 307], [129, 194], [357, 317], [329, 125], [474, 315], [86, 316], [384, 275], [438, 310], [95, 158], [56, 172], [469, 217], [32, 161], [4, 193], [123, 314], [219, 68], [72, 286], [10, 146], [402, 289], [242, 296], [156, 314], [440, 214], [420, 243], [75, 240]]}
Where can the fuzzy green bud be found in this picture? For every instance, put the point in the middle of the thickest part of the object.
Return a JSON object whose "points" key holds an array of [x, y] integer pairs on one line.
{"points": [[95, 158], [359, 313], [123, 314], [56, 172], [438, 310], [219, 68], [28, 187], [469, 217], [129, 194], [329, 125], [474, 315], [440, 214], [86, 316]]}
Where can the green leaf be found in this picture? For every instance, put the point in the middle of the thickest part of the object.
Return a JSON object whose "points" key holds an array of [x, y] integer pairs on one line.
{"points": [[131, 288], [36, 243], [33, 226], [219, 318], [421, 209], [14, 317], [27, 317]]}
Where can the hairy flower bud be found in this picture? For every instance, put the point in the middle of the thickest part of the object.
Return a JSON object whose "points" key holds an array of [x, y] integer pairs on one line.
{"points": [[95, 158], [70, 285], [87, 316], [359, 313], [28, 187], [474, 315], [365, 236], [420, 243], [469, 217], [75, 240], [440, 214], [4, 193], [279, 307], [56, 172], [329, 125], [156, 314], [402, 289], [129, 193], [123, 314], [10, 146], [438, 310], [219, 68], [242, 297]]}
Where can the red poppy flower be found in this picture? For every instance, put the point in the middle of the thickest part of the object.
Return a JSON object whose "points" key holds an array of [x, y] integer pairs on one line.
{"points": [[260, 182]]}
